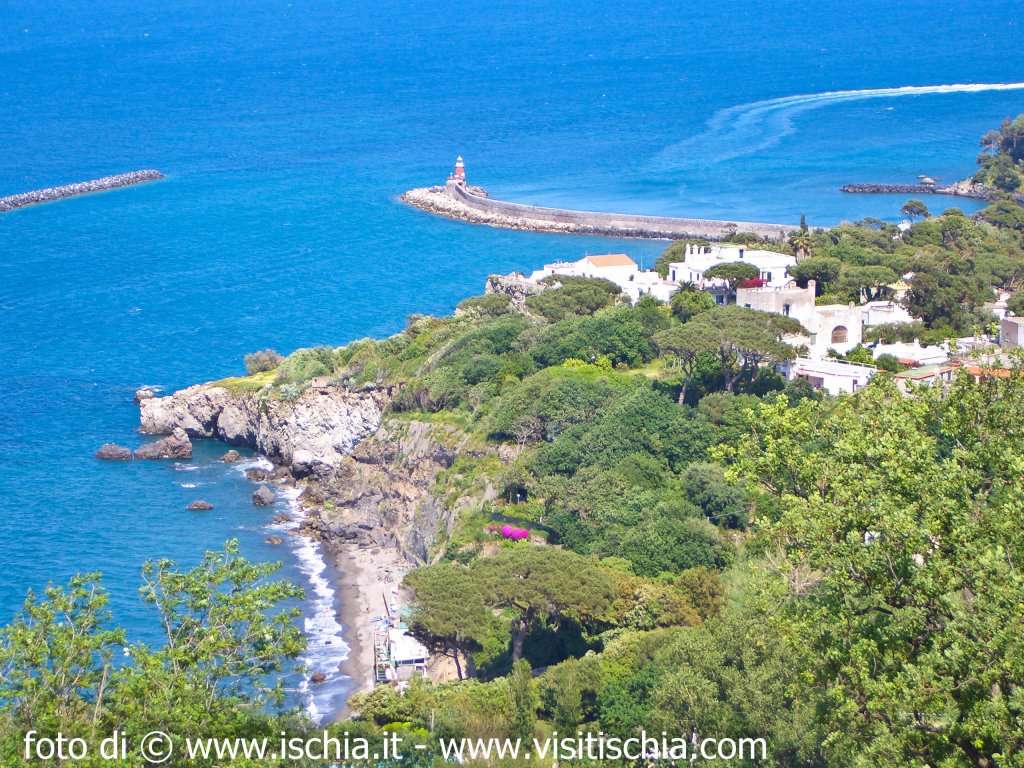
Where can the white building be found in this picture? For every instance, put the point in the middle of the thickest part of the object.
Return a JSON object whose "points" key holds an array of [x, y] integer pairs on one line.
{"points": [[912, 353], [833, 326], [834, 376], [885, 313], [773, 268], [617, 268]]}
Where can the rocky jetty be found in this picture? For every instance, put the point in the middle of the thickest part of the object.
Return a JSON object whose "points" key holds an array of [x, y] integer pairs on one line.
{"points": [[74, 190], [174, 446], [114, 452], [309, 435], [467, 204], [966, 188]]}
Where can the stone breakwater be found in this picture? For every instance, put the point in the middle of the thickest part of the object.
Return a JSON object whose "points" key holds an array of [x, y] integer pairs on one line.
{"points": [[73, 190], [965, 188], [456, 202]]}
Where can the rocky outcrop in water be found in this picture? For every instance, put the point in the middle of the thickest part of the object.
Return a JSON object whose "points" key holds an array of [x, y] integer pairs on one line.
{"points": [[114, 452], [74, 190], [200, 506], [310, 435], [263, 496], [174, 446]]}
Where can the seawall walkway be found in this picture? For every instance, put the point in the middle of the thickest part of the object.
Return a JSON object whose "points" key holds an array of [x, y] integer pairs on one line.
{"points": [[473, 205], [73, 190]]}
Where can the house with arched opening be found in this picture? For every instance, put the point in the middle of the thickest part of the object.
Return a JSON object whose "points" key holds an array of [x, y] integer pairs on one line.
{"points": [[833, 326]]}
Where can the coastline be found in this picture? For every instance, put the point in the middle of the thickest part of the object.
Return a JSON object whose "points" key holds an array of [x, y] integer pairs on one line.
{"points": [[364, 577]]}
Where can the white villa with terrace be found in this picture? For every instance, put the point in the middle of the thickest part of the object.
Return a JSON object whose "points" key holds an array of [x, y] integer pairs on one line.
{"points": [[614, 267], [773, 268]]}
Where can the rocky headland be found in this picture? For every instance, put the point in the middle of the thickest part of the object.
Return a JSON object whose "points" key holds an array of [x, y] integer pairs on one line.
{"points": [[368, 480]]}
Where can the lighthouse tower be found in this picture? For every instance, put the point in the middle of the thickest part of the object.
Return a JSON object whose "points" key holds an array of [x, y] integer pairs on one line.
{"points": [[459, 176]]}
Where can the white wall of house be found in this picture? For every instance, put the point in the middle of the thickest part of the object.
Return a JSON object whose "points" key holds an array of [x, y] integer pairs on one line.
{"points": [[834, 326], [833, 376], [772, 266], [885, 313]]}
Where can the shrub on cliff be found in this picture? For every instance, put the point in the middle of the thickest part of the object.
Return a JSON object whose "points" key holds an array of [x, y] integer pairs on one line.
{"points": [[489, 305], [262, 361], [577, 296], [305, 364]]}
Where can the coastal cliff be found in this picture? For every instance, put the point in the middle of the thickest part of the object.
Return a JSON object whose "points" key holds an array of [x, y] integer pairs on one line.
{"points": [[309, 435], [367, 479]]}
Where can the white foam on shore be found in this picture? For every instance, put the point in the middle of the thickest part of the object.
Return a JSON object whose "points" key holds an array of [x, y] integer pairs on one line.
{"points": [[326, 647]]}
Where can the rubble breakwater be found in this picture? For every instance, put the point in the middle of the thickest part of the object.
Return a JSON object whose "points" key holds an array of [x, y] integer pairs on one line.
{"points": [[473, 205], [959, 189], [74, 190]]}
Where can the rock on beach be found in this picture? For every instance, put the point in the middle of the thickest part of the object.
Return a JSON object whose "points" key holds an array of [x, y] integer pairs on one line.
{"points": [[263, 496]]}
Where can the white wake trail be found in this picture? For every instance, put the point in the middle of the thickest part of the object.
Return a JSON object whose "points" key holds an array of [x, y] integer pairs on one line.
{"points": [[749, 128]]}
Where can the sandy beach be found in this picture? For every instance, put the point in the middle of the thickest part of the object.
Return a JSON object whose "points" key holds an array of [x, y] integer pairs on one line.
{"points": [[366, 576]]}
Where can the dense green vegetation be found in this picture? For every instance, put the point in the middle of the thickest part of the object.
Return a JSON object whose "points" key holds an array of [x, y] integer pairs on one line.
{"points": [[1002, 158], [713, 550]]}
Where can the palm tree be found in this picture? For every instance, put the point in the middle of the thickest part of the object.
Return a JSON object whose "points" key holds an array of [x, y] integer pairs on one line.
{"points": [[802, 243]]}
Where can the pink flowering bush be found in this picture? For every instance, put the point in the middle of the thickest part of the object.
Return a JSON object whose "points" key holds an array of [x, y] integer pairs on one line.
{"points": [[515, 534]]}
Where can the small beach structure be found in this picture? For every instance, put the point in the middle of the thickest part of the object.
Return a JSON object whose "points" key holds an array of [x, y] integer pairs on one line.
{"points": [[397, 654]]}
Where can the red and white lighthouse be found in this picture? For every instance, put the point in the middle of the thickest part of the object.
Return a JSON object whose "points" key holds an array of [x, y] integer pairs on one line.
{"points": [[460, 172]]}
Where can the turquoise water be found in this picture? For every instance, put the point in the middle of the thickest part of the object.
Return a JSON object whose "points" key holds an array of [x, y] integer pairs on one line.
{"points": [[287, 130]]}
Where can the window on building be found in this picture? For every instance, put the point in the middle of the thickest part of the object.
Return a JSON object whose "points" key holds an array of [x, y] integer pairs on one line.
{"points": [[840, 334], [785, 309], [720, 299]]}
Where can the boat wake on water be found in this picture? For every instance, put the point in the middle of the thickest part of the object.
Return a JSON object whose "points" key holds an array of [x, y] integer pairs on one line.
{"points": [[749, 128]]}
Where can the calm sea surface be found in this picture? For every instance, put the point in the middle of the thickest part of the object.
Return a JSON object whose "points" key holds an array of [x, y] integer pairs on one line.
{"points": [[287, 130]]}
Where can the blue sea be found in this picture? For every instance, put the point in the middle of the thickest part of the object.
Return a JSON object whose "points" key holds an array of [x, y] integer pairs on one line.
{"points": [[288, 129]]}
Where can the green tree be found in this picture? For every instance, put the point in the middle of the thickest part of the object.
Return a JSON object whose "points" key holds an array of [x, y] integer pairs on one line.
{"points": [[542, 583], [745, 339], [734, 273], [686, 304], [895, 562], [823, 270], [56, 659], [448, 612], [524, 700], [223, 644], [682, 347], [914, 209], [576, 296]]}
